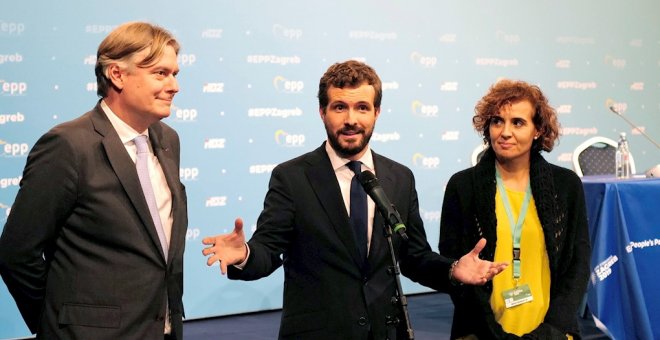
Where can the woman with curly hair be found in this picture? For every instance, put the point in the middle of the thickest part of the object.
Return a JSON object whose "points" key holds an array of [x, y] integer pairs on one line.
{"points": [[532, 214]]}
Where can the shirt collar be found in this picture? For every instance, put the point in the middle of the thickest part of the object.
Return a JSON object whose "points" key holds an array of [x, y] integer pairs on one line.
{"points": [[126, 132], [337, 162]]}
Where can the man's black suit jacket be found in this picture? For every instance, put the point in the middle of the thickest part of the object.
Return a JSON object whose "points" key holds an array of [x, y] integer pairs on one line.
{"points": [[79, 252], [305, 227]]}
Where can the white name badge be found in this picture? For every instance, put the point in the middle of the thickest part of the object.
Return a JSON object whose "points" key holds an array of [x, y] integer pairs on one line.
{"points": [[517, 296]]}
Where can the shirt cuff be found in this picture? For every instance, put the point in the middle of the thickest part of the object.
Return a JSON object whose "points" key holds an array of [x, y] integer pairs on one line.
{"points": [[242, 264]]}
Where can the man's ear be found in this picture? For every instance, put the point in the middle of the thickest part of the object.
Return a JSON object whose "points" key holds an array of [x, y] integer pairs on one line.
{"points": [[116, 76]]}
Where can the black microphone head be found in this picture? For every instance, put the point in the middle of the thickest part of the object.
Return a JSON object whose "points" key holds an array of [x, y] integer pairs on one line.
{"points": [[368, 180], [614, 110], [609, 103]]}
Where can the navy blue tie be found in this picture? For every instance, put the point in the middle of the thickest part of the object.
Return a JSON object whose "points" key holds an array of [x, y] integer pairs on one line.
{"points": [[358, 213]]}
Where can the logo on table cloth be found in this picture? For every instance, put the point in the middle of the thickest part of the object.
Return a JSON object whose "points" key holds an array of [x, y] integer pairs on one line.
{"points": [[603, 269], [642, 244]]}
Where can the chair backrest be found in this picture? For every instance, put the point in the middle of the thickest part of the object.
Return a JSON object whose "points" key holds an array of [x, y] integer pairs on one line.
{"points": [[477, 153], [596, 156]]}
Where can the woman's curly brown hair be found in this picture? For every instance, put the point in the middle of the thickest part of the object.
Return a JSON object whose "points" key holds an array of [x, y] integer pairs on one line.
{"points": [[506, 92]]}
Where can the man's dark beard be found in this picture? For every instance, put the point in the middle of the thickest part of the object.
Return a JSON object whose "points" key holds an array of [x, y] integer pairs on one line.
{"points": [[347, 152]]}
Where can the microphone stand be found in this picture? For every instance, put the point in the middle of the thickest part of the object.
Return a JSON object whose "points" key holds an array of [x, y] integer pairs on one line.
{"points": [[400, 298], [611, 107]]}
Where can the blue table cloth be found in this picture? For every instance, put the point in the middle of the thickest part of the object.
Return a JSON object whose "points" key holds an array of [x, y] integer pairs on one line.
{"points": [[624, 227]]}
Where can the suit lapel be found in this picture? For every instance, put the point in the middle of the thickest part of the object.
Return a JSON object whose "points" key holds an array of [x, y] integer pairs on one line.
{"points": [[166, 158], [324, 183], [123, 166]]}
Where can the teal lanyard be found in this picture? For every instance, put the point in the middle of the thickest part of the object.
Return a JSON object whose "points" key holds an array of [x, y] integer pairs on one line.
{"points": [[516, 229]]}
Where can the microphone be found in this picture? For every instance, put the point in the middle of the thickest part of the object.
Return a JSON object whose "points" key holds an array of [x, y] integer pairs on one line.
{"points": [[611, 105], [387, 210]]}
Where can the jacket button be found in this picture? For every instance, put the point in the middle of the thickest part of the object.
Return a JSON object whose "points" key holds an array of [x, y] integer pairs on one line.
{"points": [[362, 321]]}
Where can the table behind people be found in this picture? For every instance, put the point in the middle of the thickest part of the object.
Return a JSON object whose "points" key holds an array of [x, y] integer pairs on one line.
{"points": [[624, 226]]}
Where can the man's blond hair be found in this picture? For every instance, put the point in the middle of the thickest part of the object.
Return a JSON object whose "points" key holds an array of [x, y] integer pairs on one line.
{"points": [[124, 42]]}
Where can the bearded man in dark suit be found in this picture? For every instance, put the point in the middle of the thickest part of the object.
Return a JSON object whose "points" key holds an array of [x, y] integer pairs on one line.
{"points": [[338, 284]]}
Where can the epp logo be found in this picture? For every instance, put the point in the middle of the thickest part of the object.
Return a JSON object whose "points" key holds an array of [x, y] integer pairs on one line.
{"points": [[186, 59], [425, 61], [616, 62], [185, 115], [282, 84], [431, 215], [285, 139], [422, 161], [620, 107], [421, 110], [12, 28], [288, 33], [14, 149], [11, 88], [188, 174], [192, 234]]}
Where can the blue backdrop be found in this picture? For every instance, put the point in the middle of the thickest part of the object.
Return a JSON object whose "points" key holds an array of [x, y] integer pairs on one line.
{"points": [[249, 76]]}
